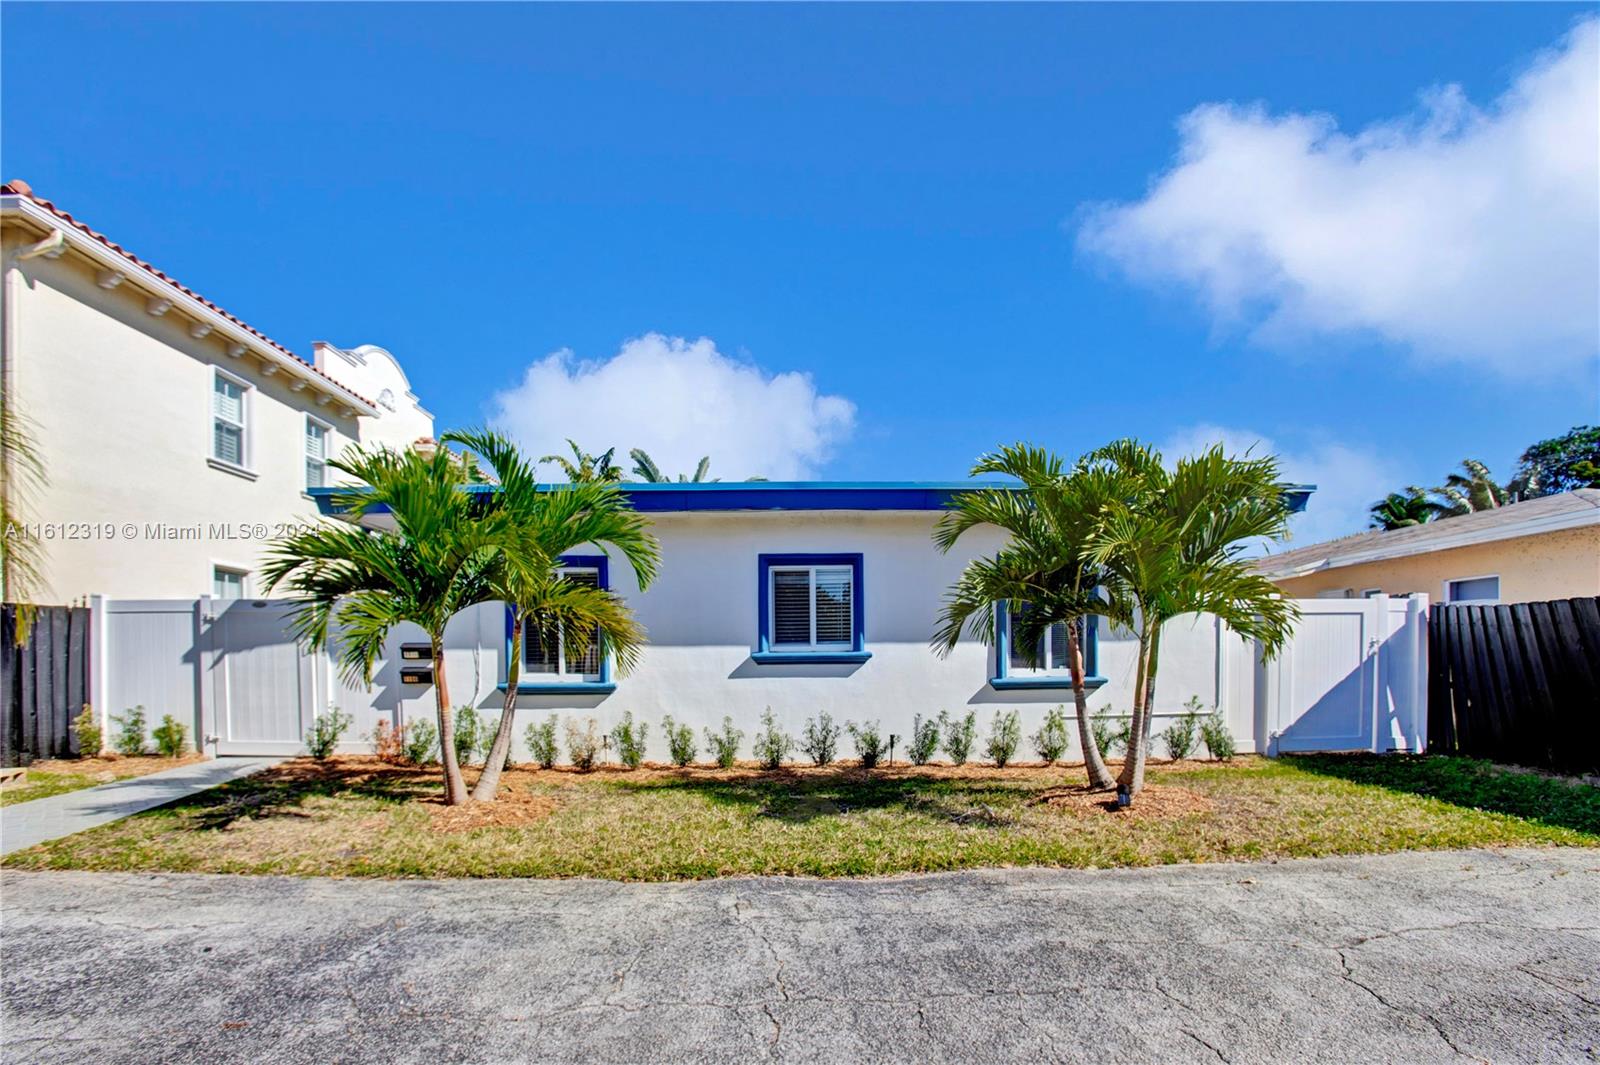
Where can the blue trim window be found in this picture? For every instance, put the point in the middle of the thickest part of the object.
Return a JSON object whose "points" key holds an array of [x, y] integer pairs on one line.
{"points": [[1051, 668], [550, 665], [810, 609]]}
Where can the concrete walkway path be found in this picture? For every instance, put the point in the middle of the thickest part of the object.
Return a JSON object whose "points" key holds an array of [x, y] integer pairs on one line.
{"points": [[30, 823], [1458, 957]]}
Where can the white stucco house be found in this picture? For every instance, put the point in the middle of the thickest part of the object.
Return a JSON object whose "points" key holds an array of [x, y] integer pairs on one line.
{"points": [[175, 437], [799, 596]]}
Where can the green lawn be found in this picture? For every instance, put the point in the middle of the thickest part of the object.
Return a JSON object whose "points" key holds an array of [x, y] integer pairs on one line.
{"points": [[56, 777], [357, 817]]}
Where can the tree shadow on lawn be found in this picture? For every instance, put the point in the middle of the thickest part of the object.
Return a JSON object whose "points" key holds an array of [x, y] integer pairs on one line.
{"points": [[802, 797], [283, 790], [1468, 782]]}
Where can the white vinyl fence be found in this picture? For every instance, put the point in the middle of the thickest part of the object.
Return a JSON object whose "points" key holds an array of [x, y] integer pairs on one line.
{"points": [[1351, 678]]}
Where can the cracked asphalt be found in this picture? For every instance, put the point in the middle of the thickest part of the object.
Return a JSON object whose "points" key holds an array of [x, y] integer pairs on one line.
{"points": [[1438, 957]]}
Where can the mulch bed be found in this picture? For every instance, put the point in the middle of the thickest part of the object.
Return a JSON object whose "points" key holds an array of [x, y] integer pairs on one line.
{"points": [[511, 807], [113, 766], [1154, 801]]}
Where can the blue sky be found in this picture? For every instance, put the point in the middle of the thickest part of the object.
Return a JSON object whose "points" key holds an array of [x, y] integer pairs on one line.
{"points": [[956, 220]]}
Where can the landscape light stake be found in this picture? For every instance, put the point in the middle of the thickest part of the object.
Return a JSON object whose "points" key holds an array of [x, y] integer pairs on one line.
{"points": [[1123, 798]]}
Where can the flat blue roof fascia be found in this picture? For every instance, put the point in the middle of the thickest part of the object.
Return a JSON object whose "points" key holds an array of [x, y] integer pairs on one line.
{"points": [[792, 495], [761, 495]]}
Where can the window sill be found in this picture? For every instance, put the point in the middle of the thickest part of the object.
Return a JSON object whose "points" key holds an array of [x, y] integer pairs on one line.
{"points": [[778, 658], [1024, 683], [587, 687], [228, 467]]}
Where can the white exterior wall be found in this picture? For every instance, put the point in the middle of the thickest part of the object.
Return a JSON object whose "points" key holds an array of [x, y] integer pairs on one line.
{"points": [[701, 616], [119, 402]]}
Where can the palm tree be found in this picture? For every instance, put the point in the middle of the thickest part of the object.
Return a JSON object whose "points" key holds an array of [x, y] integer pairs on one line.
{"points": [[1171, 544], [646, 470], [1403, 510], [544, 525], [583, 468], [21, 555], [1471, 490], [354, 585], [1041, 574]]}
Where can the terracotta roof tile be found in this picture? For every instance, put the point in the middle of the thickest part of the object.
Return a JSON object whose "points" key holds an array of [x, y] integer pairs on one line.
{"points": [[22, 188]]}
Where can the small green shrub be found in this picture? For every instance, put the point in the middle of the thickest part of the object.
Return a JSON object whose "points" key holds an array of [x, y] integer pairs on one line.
{"points": [[725, 744], [472, 735], [628, 738], [583, 742], [1217, 737], [1109, 735], [421, 742], [924, 740], [821, 739], [171, 736], [1053, 740], [869, 741], [959, 736], [130, 732], [1180, 735], [771, 744], [680, 741], [1004, 735], [541, 739], [86, 726], [323, 735]]}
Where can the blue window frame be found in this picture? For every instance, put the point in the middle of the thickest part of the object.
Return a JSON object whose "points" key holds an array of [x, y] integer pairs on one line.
{"points": [[1013, 669], [810, 608], [548, 670]]}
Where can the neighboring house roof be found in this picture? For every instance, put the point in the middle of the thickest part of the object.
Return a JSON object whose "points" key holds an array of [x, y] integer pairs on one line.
{"points": [[709, 496], [17, 198], [1568, 510]]}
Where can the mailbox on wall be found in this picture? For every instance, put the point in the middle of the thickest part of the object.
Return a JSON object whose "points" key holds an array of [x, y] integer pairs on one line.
{"points": [[417, 675]]}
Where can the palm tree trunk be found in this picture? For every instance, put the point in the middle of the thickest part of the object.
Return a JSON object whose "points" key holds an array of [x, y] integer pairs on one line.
{"points": [[455, 788], [1093, 763], [1133, 757], [500, 750], [1136, 782]]}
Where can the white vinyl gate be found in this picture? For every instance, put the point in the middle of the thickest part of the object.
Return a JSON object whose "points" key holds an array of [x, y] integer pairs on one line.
{"points": [[1352, 678], [228, 669], [264, 690]]}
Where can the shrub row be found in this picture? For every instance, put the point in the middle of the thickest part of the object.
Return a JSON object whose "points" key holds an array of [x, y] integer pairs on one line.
{"points": [[171, 737], [417, 742]]}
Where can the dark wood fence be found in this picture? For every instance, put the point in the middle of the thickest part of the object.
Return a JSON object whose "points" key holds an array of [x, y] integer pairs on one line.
{"points": [[43, 683], [1517, 683]]}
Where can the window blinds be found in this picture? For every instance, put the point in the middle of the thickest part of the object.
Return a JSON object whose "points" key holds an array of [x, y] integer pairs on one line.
{"points": [[813, 606]]}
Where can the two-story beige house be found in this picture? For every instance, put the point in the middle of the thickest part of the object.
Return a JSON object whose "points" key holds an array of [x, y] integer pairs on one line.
{"points": [[175, 438]]}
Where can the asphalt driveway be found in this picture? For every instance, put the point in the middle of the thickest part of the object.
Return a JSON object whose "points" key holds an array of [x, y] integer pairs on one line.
{"points": [[1457, 956]]}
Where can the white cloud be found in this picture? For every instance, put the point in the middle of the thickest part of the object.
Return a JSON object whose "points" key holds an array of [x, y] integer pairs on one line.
{"points": [[678, 399], [1468, 235], [1348, 479]]}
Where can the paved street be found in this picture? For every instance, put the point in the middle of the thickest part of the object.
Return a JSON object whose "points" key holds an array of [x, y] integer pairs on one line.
{"points": [[1458, 956]]}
